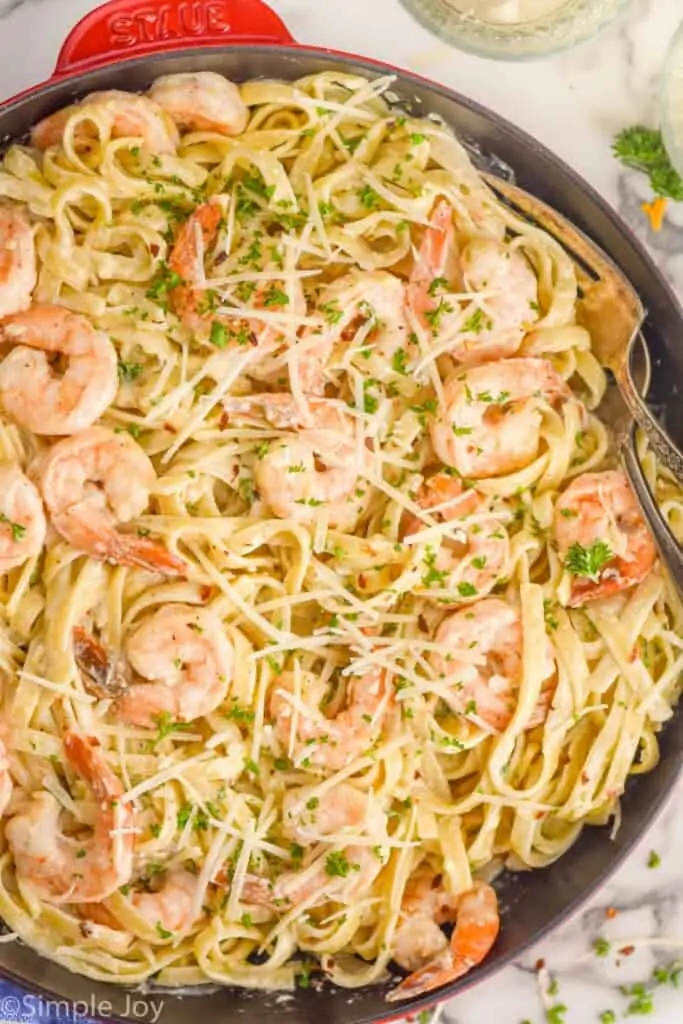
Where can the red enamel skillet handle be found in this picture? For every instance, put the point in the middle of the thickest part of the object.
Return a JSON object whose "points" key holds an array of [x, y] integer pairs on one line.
{"points": [[132, 28]]}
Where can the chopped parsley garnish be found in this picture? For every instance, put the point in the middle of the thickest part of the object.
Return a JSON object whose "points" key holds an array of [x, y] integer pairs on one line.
{"points": [[654, 860], [163, 932], [437, 285], [435, 316], [17, 529], [370, 401], [369, 198], [255, 183], [475, 323], [588, 562], [399, 362], [218, 335], [166, 726], [163, 284], [433, 575], [608, 1017], [555, 1015], [641, 999], [331, 311], [275, 297], [467, 589], [601, 946], [461, 431], [337, 866], [129, 371]]}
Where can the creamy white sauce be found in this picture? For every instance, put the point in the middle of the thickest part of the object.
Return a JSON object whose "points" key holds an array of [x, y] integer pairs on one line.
{"points": [[508, 12]]}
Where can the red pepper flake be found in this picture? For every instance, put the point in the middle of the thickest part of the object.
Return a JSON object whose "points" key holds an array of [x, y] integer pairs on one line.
{"points": [[540, 964], [224, 422], [585, 778], [206, 592], [540, 815], [170, 428], [627, 950], [611, 913]]}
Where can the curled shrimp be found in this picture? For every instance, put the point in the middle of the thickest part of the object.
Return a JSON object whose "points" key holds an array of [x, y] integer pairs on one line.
{"points": [[491, 424], [600, 509], [422, 948], [129, 116], [472, 561], [186, 660], [311, 820], [6, 784], [202, 101], [487, 692], [496, 322], [73, 870], [94, 481], [186, 262], [365, 313], [47, 403], [305, 733], [17, 261], [340, 809], [22, 519], [169, 909], [315, 470]]}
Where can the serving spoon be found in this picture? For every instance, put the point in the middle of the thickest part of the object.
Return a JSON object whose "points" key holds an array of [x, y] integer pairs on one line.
{"points": [[611, 310]]}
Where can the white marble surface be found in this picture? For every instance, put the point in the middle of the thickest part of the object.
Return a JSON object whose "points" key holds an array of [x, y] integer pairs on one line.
{"points": [[573, 103]]}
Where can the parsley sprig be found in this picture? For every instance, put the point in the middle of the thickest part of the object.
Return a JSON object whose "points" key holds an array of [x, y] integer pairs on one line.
{"points": [[588, 562], [643, 150]]}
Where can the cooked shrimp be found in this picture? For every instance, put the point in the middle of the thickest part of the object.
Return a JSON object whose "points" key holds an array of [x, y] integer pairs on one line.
{"points": [[437, 260], [339, 809], [598, 514], [191, 297], [310, 820], [487, 692], [187, 659], [22, 519], [17, 261], [422, 948], [45, 402], [94, 481], [493, 416], [186, 260], [329, 742], [170, 908], [64, 869], [497, 322], [364, 311], [315, 470], [202, 101], [129, 116], [6, 785], [471, 563], [104, 675]]}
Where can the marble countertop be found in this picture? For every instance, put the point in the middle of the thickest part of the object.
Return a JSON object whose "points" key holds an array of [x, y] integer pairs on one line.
{"points": [[573, 103]]}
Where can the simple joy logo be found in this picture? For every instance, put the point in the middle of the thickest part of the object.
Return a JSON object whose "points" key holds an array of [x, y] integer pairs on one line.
{"points": [[23, 1008]]}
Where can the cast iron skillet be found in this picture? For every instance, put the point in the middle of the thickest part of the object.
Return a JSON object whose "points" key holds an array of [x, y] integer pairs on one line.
{"points": [[125, 45]]}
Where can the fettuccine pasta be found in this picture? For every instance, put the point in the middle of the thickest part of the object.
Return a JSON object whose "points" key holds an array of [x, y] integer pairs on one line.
{"points": [[324, 600]]}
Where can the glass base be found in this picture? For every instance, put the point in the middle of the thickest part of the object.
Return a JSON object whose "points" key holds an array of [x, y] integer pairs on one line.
{"points": [[514, 29]]}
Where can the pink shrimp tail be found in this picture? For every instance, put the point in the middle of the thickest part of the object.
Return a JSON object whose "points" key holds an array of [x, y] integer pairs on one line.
{"points": [[475, 932], [84, 754], [438, 258], [143, 553]]}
